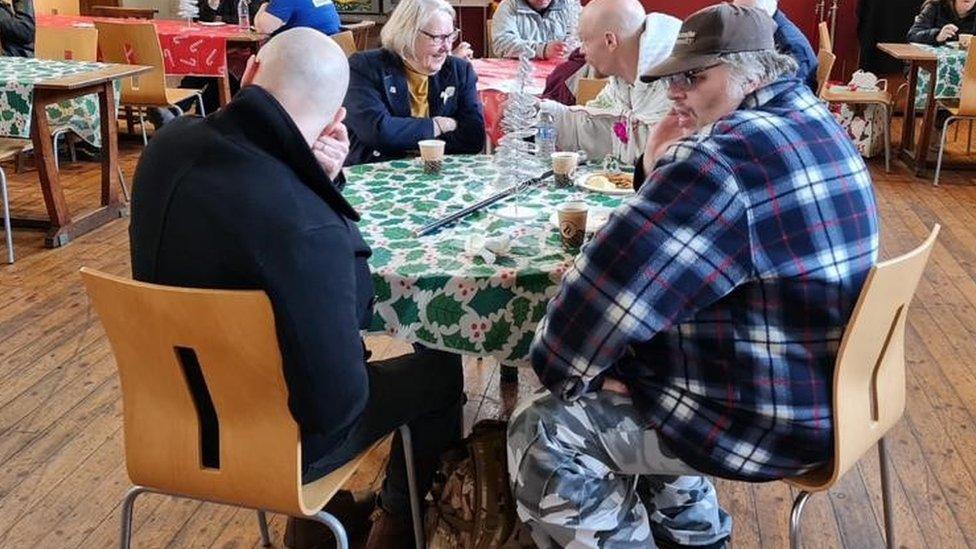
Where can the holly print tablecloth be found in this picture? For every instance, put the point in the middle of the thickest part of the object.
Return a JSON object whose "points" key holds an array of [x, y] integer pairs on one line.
{"points": [[429, 289], [17, 78], [948, 75]]}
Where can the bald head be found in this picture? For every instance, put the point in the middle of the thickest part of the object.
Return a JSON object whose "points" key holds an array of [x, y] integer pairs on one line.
{"points": [[307, 72], [610, 31], [624, 18]]}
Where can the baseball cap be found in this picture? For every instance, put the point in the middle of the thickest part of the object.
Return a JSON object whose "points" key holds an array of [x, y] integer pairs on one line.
{"points": [[713, 31]]}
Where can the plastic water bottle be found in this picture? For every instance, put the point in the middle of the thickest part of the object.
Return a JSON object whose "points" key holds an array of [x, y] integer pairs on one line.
{"points": [[244, 15], [545, 136]]}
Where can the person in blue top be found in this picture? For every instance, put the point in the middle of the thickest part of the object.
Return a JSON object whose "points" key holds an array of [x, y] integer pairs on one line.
{"points": [[413, 89], [789, 40], [279, 15]]}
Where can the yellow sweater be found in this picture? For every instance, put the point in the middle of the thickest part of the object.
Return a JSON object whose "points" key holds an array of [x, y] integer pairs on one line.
{"points": [[417, 82]]}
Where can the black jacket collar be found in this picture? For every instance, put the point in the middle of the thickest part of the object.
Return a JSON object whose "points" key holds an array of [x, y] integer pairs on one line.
{"points": [[261, 120]]}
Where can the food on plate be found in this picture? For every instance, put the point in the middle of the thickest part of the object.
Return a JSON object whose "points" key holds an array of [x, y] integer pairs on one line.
{"points": [[611, 181]]}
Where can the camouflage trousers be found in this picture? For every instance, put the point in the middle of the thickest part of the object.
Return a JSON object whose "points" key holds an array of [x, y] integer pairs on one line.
{"points": [[575, 471]]}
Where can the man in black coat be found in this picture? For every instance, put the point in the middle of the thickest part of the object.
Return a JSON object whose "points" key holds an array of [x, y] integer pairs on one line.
{"points": [[17, 27], [250, 198]]}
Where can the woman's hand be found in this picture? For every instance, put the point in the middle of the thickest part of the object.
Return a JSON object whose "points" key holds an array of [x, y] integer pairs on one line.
{"points": [[443, 124], [946, 33], [463, 51]]}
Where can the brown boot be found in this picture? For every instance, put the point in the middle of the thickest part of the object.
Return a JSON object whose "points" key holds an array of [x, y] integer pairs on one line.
{"points": [[390, 532], [354, 514]]}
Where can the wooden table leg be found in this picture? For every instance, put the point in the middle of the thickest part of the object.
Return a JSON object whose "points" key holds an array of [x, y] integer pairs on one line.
{"points": [[57, 208], [922, 146], [110, 145], [908, 125], [223, 86]]}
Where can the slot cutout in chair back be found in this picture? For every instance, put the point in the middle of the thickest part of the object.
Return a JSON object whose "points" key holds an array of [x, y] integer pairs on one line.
{"points": [[202, 401]]}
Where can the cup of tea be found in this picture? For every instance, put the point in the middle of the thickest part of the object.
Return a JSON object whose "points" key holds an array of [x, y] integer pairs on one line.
{"points": [[572, 223], [965, 39], [432, 153], [564, 167]]}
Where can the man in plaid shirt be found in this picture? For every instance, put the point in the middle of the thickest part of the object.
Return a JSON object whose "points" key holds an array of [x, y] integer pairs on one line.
{"points": [[697, 332]]}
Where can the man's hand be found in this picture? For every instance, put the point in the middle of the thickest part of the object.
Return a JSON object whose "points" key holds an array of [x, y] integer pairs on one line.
{"points": [[332, 146], [946, 33], [666, 132], [444, 124], [556, 49], [463, 51]]}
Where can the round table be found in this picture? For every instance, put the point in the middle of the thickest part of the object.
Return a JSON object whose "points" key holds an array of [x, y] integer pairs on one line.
{"points": [[428, 289]]}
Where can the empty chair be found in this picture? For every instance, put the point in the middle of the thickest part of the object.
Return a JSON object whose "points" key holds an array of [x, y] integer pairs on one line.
{"points": [[137, 44], [345, 41], [869, 379], [9, 149], [56, 7], [963, 108], [124, 12], [205, 405]]}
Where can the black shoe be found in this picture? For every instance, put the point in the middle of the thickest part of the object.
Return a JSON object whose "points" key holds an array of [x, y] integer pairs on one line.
{"points": [[159, 117], [302, 533], [664, 543]]}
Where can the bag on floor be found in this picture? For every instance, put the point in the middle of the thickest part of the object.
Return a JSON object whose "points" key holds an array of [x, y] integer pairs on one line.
{"points": [[864, 125]]}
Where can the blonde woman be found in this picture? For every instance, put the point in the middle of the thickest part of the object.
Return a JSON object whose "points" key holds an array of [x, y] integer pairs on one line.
{"points": [[412, 88]]}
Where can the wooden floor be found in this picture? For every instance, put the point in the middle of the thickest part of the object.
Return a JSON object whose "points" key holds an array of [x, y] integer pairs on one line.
{"points": [[62, 473]]}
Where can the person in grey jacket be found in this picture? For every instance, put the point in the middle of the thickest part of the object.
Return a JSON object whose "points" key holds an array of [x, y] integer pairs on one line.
{"points": [[537, 27]]}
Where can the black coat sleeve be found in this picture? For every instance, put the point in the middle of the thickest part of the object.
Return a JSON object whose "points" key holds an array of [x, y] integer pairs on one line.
{"points": [[469, 136], [17, 25], [926, 26], [310, 277]]}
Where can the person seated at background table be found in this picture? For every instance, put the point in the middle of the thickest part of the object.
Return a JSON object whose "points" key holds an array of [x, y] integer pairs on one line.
{"points": [[281, 15], [17, 28], [538, 28], [941, 21], [411, 89], [562, 83], [622, 42], [697, 332], [249, 198], [789, 40]]}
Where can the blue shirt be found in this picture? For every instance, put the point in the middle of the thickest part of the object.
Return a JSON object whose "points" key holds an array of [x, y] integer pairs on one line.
{"points": [[320, 15], [719, 293]]}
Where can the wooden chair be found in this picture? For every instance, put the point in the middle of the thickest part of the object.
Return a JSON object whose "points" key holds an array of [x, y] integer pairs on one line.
{"points": [[9, 149], [56, 7], [488, 38], [345, 41], [869, 380], [823, 31], [882, 98], [588, 88], [123, 12], [138, 44], [360, 32], [212, 355], [825, 63], [963, 108]]}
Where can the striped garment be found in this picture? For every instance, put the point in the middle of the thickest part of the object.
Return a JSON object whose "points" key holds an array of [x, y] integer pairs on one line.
{"points": [[719, 293]]}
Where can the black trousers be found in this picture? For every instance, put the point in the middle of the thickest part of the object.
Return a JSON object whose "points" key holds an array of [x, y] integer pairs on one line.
{"points": [[425, 390]]}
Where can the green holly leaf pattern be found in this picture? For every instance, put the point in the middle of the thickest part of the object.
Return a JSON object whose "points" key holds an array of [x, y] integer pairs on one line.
{"points": [[490, 300], [407, 311], [381, 289], [456, 341], [445, 311], [521, 349], [497, 336], [520, 310]]}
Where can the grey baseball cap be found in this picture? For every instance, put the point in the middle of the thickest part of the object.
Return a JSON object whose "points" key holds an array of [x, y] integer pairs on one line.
{"points": [[713, 31]]}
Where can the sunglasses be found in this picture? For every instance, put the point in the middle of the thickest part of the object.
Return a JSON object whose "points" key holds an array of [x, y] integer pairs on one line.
{"points": [[684, 81], [441, 39]]}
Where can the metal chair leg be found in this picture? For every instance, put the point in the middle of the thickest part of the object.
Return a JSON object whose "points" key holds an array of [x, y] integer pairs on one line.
{"points": [[6, 217], [263, 527], [125, 190], [127, 503], [938, 163], [798, 503], [887, 137], [57, 160], [418, 527], [203, 110], [142, 126], [342, 541], [889, 505]]}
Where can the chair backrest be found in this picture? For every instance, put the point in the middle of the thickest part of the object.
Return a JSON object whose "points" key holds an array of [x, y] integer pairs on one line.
{"points": [[66, 43], [346, 42], [123, 12], [825, 63], [588, 88], [186, 355], [967, 89], [56, 7], [869, 375], [488, 38], [135, 44], [823, 31]]}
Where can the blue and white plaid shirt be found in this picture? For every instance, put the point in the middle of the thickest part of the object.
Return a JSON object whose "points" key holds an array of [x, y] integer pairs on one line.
{"points": [[719, 293]]}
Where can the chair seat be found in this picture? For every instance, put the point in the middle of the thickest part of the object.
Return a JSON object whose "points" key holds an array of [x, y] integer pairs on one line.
{"points": [[951, 105], [10, 147], [173, 96], [317, 493], [858, 96]]}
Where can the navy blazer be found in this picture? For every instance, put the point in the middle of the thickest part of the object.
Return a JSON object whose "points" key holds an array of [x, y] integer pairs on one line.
{"points": [[378, 108]]}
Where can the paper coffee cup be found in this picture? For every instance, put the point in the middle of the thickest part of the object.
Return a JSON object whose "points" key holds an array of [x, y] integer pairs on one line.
{"points": [[432, 153], [572, 223], [564, 167], [965, 39]]}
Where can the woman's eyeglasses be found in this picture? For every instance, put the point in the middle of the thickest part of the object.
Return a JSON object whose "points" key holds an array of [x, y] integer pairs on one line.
{"points": [[442, 39], [686, 80]]}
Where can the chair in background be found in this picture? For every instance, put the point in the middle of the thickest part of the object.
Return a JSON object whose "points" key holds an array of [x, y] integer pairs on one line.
{"points": [[963, 108], [205, 405], [823, 31], [345, 41], [880, 98], [138, 44], [56, 7], [360, 32], [9, 149], [869, 380], [588, 88], [488, 40], [123, 12], [825, 64]]}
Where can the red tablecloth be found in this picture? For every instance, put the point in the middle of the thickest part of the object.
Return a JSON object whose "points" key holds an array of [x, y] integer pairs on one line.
{"points": [[499, 73], [187, 50]]}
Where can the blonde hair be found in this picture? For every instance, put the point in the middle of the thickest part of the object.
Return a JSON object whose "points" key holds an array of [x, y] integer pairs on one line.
{"points": [[405, 23]]}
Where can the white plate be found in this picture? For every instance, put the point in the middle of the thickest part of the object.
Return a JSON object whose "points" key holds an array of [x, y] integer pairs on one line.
{"points": [[212, 23], [581, 182], [596, 217]]}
